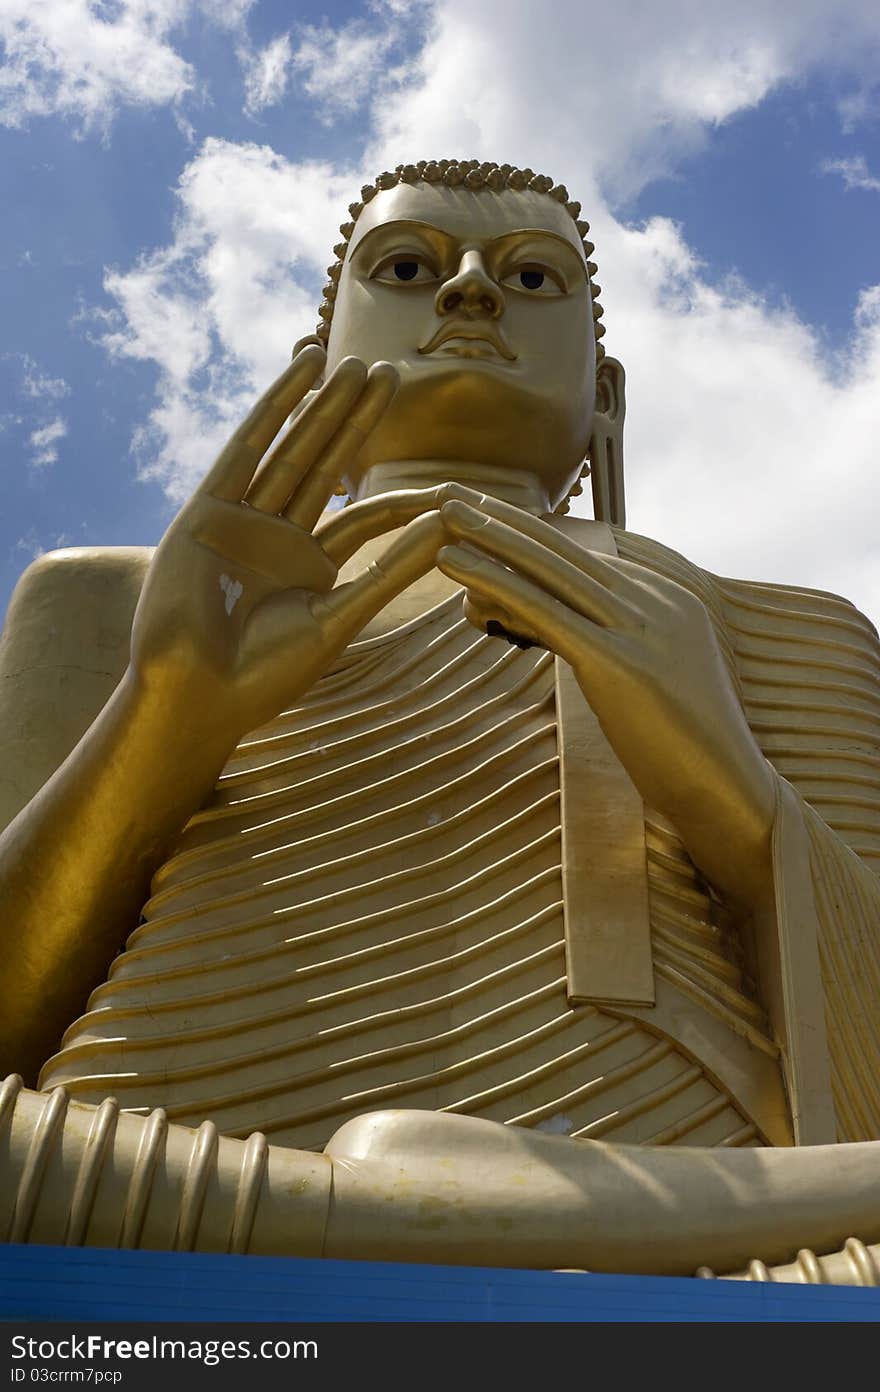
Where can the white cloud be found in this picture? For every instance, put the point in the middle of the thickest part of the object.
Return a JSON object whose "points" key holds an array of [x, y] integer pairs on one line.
{"points": [[860, 106], [41, 426], [855, 173], [33, 382], [219, 310], [338, 67], [30, 544], [611, 93], [227, 14], [749, 447], [341, 67], [33, 546], [266, 74], [43, 443], [84, 59], [40, 385]]}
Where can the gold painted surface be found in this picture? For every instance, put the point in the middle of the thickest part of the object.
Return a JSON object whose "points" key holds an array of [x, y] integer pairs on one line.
{"points": [[856, 1264], [369, 913], [807, 664], [604, 861]]}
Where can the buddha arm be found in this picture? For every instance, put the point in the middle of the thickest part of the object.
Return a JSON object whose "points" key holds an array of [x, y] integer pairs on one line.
{"points": [[90, 814], [808, 665], [76, 861], [415, 1186], [237, 614], [75, 864], [64, 652]]}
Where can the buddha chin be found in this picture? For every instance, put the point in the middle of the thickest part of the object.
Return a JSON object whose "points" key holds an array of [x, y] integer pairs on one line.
{"points": [[479, 412]]}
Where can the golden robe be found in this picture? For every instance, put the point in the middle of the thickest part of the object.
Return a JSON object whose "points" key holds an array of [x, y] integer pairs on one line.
{"points": [[387, 903]]}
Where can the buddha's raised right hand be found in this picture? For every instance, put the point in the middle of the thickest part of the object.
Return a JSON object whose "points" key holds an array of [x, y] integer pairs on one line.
{"points": [[238, 615]]}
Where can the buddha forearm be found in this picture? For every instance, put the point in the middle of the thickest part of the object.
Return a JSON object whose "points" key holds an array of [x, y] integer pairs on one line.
{"points": [[724, 814], [75, 864]]}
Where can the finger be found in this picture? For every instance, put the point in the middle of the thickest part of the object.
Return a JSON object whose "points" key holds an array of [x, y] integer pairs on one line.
{"points": [[494, 621], [530, 609], [626, 579], [412, 554], [344, 533], [547, 534], [533, 559], [319, 483], [295, 454], [237, 461]]}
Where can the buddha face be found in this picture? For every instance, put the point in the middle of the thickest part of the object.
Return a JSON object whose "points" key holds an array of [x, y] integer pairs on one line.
{"points": [[482, 303]]}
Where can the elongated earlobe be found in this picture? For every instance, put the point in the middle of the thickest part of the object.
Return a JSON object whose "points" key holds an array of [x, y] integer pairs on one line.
{"points": [[606, 444]]}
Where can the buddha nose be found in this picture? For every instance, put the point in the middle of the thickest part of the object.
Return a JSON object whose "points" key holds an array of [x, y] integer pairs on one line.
{"points": [[472, 290]]}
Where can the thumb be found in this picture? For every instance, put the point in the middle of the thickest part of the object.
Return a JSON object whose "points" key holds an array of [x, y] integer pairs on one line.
{"points": [[350, 606]]}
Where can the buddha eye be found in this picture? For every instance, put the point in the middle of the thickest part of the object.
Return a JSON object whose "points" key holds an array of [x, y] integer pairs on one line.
{"points": [[534, 280], [404, 270]]}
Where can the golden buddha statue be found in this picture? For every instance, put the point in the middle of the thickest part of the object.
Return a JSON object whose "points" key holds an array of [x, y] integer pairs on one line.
{"points": [[495, 886]]}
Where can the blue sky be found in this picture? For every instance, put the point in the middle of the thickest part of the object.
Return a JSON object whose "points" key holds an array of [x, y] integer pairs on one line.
{"points": [[173, 170]]}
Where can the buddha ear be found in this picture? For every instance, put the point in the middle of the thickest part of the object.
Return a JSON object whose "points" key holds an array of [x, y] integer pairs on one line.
{"points": [[610, 389], [606, 443]]}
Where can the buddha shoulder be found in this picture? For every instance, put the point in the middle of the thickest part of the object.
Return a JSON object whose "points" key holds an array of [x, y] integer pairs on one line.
{"points": [[64, 648], [782, 610]]}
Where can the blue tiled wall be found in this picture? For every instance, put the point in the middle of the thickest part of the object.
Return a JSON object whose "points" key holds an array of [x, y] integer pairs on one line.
{"points": [[82, 1283]]}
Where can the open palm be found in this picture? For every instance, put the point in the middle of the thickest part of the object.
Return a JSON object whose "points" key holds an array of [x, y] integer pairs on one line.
{"points": [[238, 613]]}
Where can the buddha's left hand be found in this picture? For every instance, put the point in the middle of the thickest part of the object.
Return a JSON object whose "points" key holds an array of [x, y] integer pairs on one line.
{"points": [[646, 657]]}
